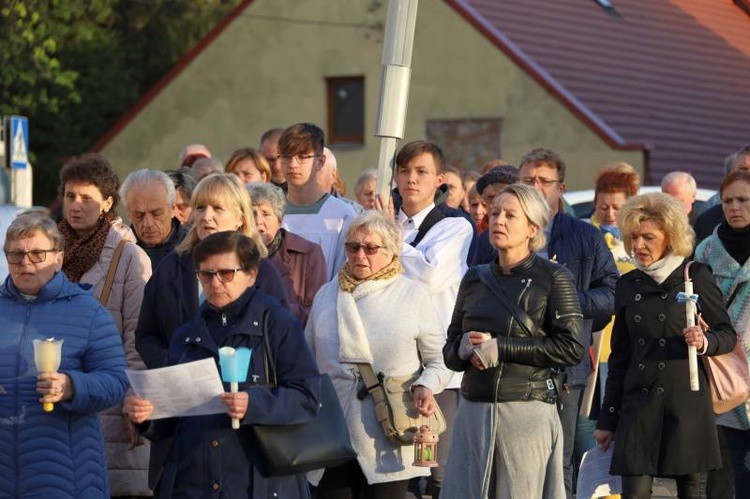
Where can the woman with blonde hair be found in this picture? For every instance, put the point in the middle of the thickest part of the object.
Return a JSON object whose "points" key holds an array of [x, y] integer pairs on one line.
{"points": [[515, 320], [662, 428], [220, 203], [249, 165]]}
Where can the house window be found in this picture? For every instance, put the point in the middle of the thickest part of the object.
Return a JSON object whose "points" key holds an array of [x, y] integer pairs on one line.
{"points": [[346, 110]]}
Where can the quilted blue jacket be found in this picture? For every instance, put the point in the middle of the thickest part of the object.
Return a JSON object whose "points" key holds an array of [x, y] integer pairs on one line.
{"points": [[58, 454]]}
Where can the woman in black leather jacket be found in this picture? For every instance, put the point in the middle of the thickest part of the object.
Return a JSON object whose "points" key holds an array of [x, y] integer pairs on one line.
{"points": [[515, 320]]}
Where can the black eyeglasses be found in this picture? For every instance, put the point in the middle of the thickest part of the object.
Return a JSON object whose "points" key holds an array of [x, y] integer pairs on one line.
{"points": [[35, 256], [301, 158], [224, 275], [369, 249]]}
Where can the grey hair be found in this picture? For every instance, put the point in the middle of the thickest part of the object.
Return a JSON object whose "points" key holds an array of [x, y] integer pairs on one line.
{"points": [[377, 223], [28, 224], [366, 175], [678, 176], [263, 192], [142, 179], [534, 206]]}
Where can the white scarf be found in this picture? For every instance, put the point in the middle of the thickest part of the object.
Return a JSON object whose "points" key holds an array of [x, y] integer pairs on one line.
{"points": [[354, 346], [662, 268]]}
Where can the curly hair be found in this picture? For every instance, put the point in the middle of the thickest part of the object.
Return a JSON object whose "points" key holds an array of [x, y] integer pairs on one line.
{"points": [[663, 210], [92, 169]]}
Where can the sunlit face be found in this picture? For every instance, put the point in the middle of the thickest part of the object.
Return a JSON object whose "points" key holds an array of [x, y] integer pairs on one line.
{"points": [[270, 151], [477, 209], [607, 206], [218, 293], [248, 171], [649, 243], [509, 227], [182, 209], [468, 185], [299, 168], [150, 214], [216, 217], [682, 193], [267, 222], [417, 182], [456, 191], [83, 204], [366, 196], [360, 263], [546, 180], [735, 201], [30, 277]]}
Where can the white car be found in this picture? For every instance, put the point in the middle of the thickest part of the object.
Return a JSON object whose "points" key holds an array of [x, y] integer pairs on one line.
{"points": [[583, 201]]}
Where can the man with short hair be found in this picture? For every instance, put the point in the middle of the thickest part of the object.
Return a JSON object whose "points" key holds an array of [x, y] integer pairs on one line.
{"points": [[435, 253], [269, 148], [581, 248], [682, 187], [713, 216], [311, 212], [193, 152], [149, 197], [328, 177]]}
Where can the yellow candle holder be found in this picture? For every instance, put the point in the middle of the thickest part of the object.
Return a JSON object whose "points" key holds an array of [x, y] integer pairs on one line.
{"points": [[47, 356]]}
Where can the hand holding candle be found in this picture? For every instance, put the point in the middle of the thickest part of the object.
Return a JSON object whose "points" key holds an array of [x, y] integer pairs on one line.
{"points": [[689, 299], [53, 385], [234, 366]]}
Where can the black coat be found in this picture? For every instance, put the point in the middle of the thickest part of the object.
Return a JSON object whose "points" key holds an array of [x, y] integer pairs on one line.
{"points": [[544, 290], [661, 427]]}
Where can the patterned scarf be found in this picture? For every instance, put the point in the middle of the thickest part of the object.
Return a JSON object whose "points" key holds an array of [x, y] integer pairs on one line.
{"points": [[275, 244], [82, 252], [347, 280]]}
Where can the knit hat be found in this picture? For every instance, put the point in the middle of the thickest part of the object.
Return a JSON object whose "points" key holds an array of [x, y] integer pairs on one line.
{"points": [[503, 174]]}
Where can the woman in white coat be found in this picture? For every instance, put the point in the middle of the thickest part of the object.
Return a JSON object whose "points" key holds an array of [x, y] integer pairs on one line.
{"points": [[372, 314]]}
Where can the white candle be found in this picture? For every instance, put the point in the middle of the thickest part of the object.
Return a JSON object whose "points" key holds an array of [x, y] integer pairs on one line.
{"points": [[692, 353]]}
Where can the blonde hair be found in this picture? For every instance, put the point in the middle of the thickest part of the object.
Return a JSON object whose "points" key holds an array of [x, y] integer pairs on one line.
{"points": [[224, 189], [534, 206], [375, 222], [253, 155], [665, 211]]}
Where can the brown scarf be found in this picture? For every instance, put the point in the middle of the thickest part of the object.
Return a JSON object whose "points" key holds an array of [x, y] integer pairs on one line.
{"points": [[347, 280], [82, 252]]}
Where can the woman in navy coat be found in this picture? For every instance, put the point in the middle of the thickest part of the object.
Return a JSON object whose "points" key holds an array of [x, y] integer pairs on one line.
{"points": [[205, 456]]}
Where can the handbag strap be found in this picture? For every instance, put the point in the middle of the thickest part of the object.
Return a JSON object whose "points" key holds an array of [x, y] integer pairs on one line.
{"points": [[269, 366], [111, 272], [523, 319]]}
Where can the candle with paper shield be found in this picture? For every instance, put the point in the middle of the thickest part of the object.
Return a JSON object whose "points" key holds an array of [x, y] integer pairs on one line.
{"points": [[47, 355], [234, 366]]}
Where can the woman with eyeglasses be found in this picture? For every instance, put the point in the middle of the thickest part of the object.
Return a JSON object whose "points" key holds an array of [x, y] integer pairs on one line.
{"points": [[97, 242], [58, 453], [206, 457], [372, 314]]}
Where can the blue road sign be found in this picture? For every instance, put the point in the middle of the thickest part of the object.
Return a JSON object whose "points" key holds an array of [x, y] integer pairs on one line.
{"points": [[19, 142]]}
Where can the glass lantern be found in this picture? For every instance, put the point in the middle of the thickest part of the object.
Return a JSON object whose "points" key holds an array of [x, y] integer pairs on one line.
{"points": [[425, 447]]}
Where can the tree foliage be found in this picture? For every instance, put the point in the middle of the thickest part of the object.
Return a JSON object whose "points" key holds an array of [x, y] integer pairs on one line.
{"points": [[75, 66]]}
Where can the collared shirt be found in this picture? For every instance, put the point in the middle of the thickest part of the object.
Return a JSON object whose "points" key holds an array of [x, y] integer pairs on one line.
{"points": [[411, 224]]}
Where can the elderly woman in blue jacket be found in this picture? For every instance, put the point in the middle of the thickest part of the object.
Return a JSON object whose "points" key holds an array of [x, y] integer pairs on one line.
{"points": [[59, 453], [203, 453]]}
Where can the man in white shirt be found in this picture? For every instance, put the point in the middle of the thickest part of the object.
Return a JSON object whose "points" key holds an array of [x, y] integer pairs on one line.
{"points": [[310, 211], [434, 253]]}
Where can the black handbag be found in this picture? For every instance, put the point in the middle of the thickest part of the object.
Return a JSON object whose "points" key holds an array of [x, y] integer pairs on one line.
{"points": [[290, 449]]}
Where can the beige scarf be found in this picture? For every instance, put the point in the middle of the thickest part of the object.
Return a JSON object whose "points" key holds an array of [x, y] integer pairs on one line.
{"points": [[347, 280]]}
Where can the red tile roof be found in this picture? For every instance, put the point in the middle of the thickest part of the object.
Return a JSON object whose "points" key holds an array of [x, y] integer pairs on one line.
{"points": [[671, 74]]}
